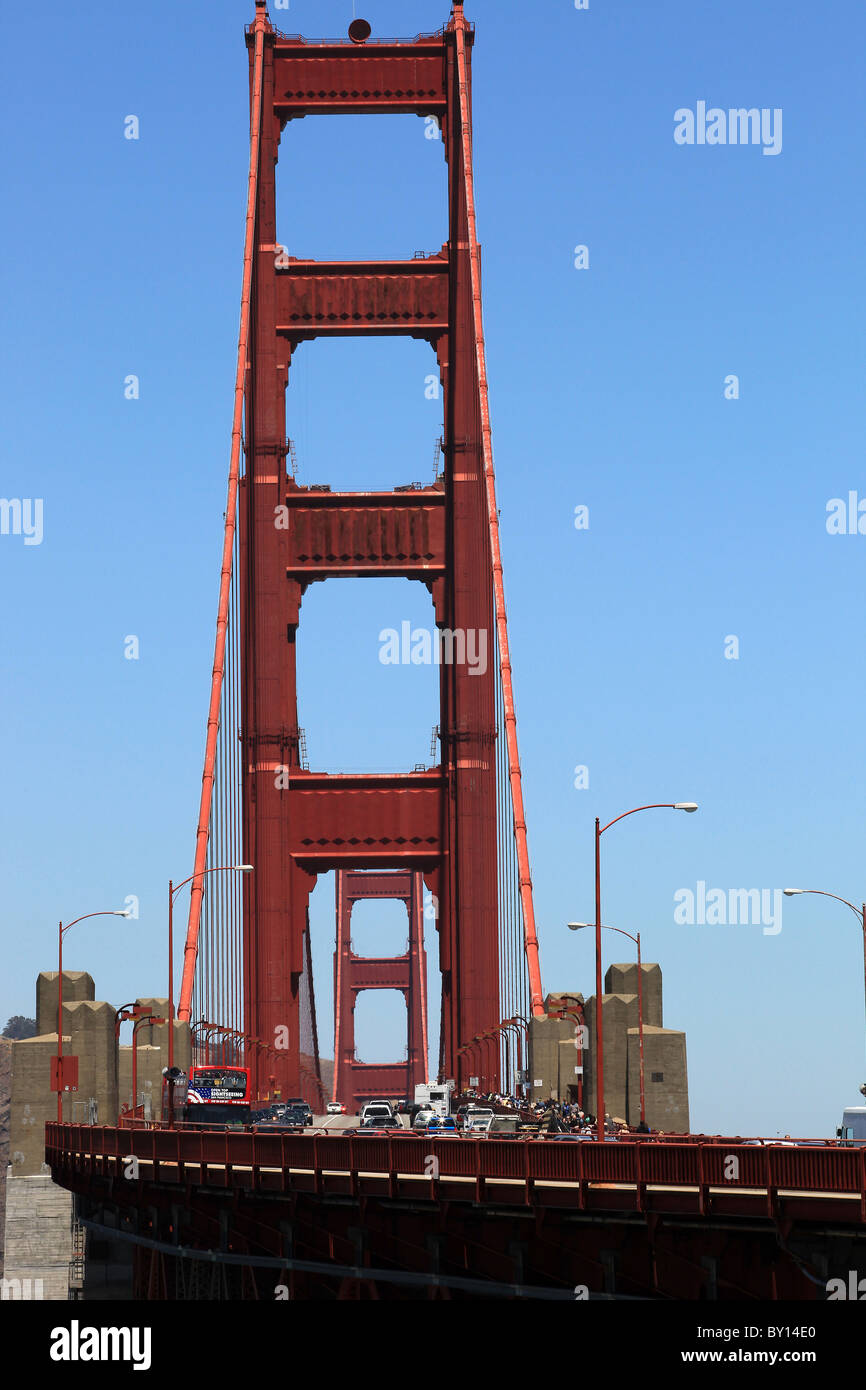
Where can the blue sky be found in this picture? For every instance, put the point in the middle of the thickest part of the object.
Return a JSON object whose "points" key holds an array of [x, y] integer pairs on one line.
{"points": [[707, 515]]}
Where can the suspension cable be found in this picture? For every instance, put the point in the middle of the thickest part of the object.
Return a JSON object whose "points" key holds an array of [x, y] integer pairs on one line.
{"points": [[525, 878], [213, 721]]}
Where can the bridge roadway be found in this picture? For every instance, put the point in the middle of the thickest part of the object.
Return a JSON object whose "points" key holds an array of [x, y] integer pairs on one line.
{"points": [[684, 1219]]}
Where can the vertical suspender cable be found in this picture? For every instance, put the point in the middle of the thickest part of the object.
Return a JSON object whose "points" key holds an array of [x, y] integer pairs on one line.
{"points": [[422, 951], [529, 933], [338, 888], [207, 781]]}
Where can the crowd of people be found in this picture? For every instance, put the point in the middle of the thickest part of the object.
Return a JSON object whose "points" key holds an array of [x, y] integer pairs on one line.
{"points": [[554, 1116]]}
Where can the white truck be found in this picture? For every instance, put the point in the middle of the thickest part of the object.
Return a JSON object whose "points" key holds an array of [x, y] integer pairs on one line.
{"points": [[478, 1119], [377, 1110], [852, 1130], [436, 1095]]}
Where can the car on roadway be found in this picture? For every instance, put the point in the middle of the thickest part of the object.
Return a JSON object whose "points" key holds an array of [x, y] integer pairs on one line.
{"points": [[438, 1124], [289, 1119], [299, 1104], [378, 1128], [380, 1109], [478, 1120], [423, 1117], [496, 1127], [334, 1107]]}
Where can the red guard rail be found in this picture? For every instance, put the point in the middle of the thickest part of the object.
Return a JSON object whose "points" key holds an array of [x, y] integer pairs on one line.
{"points": [[526, 1172]]}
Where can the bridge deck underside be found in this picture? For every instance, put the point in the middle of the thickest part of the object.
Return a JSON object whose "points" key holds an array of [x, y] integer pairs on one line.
{"points": [[457, 1238]]}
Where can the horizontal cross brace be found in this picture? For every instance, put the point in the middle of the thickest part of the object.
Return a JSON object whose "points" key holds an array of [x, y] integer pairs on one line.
{"points": [[335, 78], [365, 534], [355, 298], [376, 819]]}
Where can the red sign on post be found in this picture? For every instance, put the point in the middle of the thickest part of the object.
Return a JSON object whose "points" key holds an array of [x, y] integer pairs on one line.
{"points": [[64, 1073]]}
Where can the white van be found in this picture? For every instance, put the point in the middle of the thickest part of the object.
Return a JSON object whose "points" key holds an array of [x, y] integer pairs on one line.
{"points": [[436, 1095], [852, 1130]]}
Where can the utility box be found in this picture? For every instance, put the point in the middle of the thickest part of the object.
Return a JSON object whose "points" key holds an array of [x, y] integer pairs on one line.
{"points": [[64, 1073]]}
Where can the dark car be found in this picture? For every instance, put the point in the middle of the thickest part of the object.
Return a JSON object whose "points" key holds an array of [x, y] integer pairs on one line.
{"points": [[381, 1122], [290, 1121], [298, 1103]]}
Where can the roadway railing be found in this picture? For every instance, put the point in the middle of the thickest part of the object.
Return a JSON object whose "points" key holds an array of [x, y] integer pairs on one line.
{"points": [[626, 1174]]}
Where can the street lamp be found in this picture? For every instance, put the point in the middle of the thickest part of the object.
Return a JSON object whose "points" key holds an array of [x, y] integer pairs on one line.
{"points": [[172, 894], [519, 1021], [578, 926], [576, 1014], [599, 1041], [511, 1030], [140, 1022], [61, 932], [859, 913]]}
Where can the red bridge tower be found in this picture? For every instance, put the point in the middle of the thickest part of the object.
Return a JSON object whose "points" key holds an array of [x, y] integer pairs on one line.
{"points": [[297, 823], [356, 1082]]}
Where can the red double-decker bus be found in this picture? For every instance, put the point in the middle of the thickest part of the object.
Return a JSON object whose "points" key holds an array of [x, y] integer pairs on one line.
{"points": [[218, 1095]]}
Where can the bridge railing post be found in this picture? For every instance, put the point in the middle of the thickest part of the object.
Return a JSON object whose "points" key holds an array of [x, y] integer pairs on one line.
{"points": [[768, 1179], [639, 1183]]}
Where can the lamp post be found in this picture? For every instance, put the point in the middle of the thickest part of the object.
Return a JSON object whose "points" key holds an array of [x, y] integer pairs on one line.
{"points": [[859, 913], [210, 1047], [511, 1030], [194, 1039], [492, 1040], [475, 1048], [123, 1015], [577, 1014], [61, 932], [173, 891], [578, 926], [467, 1049], [496, 1038], [521, 1022], [139, 1023], [599, 1040]]}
